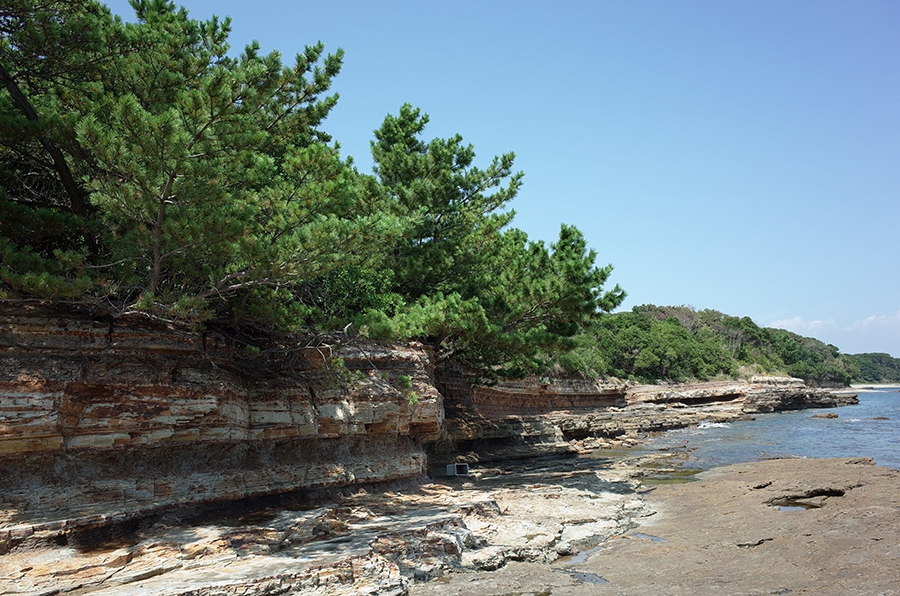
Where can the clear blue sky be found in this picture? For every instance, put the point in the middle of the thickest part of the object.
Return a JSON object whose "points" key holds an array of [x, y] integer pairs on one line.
{"points": [[742, 156]]}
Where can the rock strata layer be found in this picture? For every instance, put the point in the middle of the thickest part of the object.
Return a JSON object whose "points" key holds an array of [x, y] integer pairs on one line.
{"points": [[103, 421], [570, 413]]}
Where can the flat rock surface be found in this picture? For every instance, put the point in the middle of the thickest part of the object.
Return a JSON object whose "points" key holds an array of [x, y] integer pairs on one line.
{"points": [[373, 543], [553, 527], [798, 526]]}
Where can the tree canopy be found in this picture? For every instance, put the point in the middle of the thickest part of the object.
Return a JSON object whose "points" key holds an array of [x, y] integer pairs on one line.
{"points": [[477, 289], [679, 343], [877, 368], [146, 167]]}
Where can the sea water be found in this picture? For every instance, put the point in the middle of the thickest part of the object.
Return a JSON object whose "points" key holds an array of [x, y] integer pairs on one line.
{"points": [[868, 429]]}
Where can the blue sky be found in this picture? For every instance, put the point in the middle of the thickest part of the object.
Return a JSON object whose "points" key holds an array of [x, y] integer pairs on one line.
{"points": [[740, 156]]}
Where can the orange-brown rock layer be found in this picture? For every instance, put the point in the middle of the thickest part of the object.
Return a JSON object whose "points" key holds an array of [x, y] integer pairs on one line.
{"points": [[101, 420]]}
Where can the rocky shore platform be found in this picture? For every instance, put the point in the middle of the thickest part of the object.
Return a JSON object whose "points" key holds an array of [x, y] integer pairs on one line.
{"points": [[572, 526], [795, 526]]}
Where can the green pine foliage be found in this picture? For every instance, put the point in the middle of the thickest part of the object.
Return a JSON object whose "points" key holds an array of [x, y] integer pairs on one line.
{"points": [[215, 184], [477, 290], [146, 166], [213, 191], [53, 53]]}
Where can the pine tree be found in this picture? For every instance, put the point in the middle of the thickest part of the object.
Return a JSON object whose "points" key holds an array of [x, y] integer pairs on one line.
{"points": [[208, 190], [47, 49], [217, 191], [480, 292]]}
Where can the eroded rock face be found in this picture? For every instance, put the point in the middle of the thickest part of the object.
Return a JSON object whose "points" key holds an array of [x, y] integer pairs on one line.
{"points": [[534, 396], [101, 421], [758, 394], [564, 417], [772, 394]]}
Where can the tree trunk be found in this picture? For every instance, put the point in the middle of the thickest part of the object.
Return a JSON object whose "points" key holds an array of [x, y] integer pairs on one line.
{"points": [[76, 196]]}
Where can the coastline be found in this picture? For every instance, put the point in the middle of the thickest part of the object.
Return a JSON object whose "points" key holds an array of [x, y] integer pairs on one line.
{"points": [[545, 512], [223, 477]]}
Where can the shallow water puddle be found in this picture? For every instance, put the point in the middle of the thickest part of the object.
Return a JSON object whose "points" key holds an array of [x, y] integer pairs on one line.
{"points": [[587, 578], [793, 505], [652, 538], [580, 558]]}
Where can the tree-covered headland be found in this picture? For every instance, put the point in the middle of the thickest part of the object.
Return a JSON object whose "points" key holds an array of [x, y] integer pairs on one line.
{"points": [[146, 168], [877, 368], [680, 343]]}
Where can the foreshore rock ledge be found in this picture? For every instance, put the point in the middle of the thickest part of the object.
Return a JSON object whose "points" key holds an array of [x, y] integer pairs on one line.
{"points": [[485, 424], [795, 526]]}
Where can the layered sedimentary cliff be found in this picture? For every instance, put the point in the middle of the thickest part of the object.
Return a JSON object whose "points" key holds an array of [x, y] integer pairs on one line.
{"points": [[485, 423], [105, 420]]}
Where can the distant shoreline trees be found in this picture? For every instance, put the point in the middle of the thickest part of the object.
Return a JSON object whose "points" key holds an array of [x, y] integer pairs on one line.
{"points": [[877, 368], [679, 343]]}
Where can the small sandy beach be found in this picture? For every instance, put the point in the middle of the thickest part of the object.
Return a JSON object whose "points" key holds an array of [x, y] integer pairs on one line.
{"points": [[871, 386]]}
